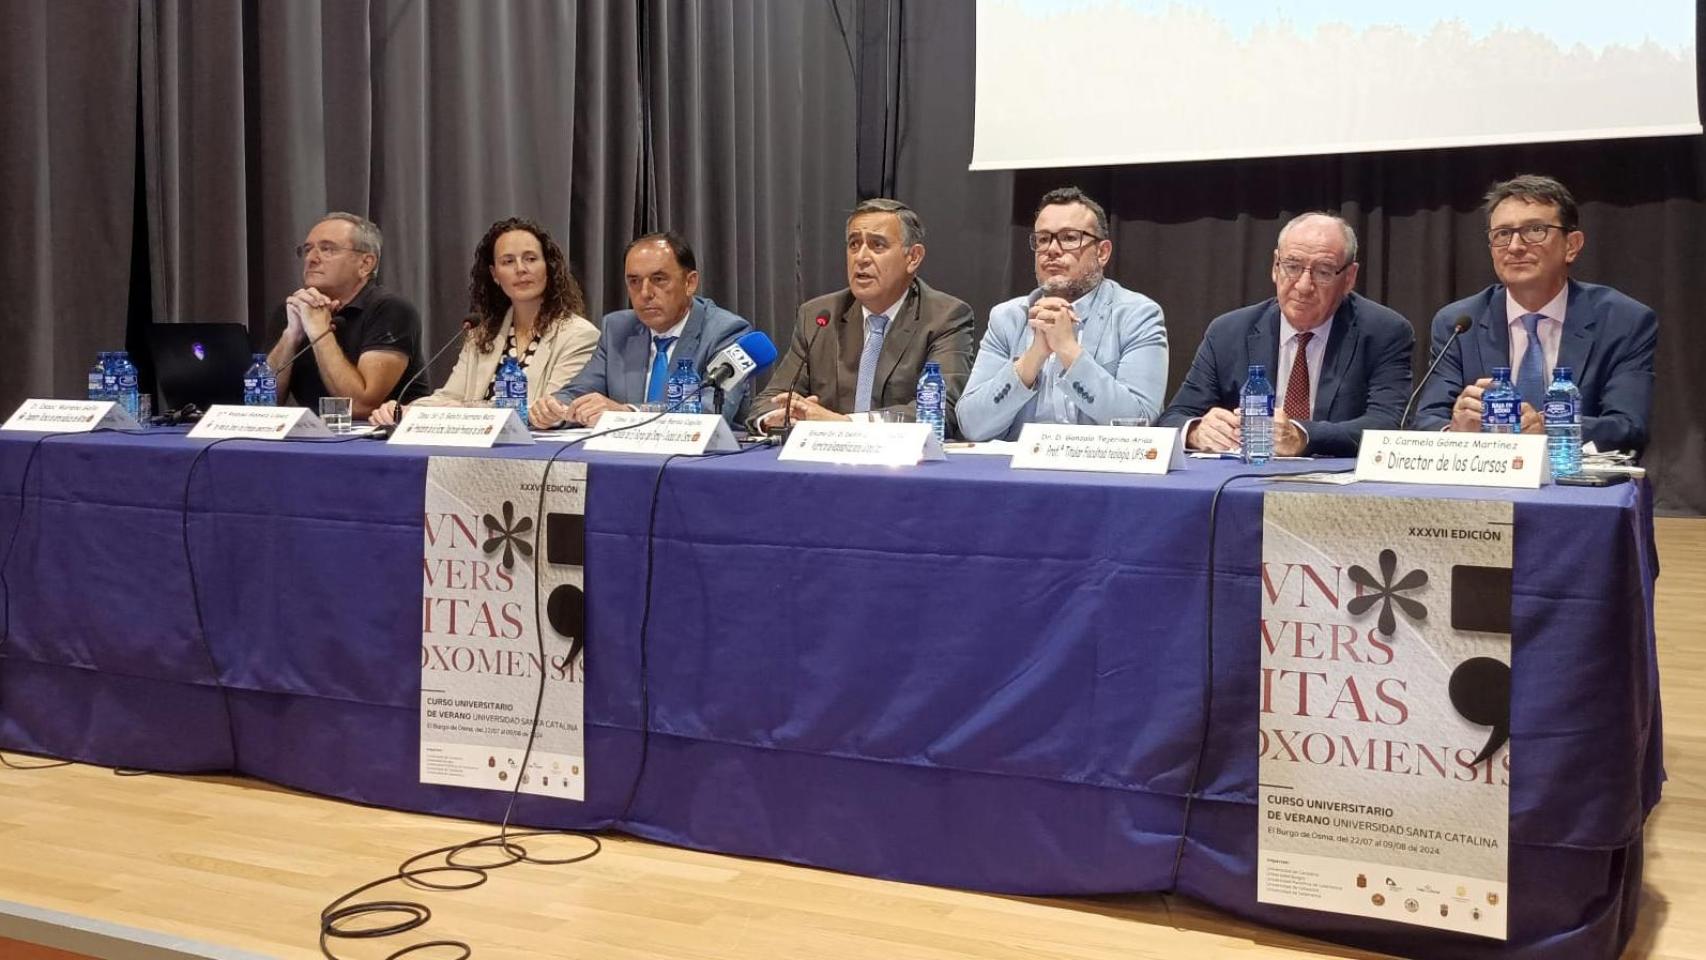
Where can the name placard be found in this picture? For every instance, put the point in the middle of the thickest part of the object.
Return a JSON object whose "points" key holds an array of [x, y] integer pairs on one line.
{"points": [[1074, 446], [259, 423], [873, 444], [1453, 459], [460, 427], [673, 433], [68, 416]]}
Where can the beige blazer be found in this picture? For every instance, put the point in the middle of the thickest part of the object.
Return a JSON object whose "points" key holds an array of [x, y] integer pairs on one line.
{"points": [[563, 351]]}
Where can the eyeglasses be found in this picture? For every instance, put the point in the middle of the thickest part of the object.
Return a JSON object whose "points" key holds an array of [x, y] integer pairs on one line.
{"points": [[325, 247], [1069, 240], [1529, 232], [1321, 274]]}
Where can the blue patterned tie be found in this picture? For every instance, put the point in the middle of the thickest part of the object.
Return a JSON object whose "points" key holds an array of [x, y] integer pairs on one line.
{"points": [[868, 362], [660, 369], [1531, 375]]}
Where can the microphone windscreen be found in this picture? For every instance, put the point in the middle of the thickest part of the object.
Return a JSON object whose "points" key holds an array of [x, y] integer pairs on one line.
{"points": [[758, 347], [1463, 324]]}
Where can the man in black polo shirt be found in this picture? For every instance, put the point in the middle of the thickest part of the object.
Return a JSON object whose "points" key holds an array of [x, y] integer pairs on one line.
{"points": [[365, 340]]}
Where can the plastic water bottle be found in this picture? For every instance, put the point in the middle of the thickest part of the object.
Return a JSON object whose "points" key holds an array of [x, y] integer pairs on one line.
{"points": [[510, 389], [1256, 416], [252, 379], [681, 393], [267, 394], [932, 399], [129, 397], [109, 375], [1564, 423], [1501, 405], [98, 377]]}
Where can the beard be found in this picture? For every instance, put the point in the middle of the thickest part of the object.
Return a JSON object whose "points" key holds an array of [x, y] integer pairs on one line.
{"points": [[1071, 289]]}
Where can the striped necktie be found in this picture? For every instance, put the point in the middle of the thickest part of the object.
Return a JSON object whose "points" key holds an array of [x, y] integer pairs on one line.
{"points": [[868, 362]]}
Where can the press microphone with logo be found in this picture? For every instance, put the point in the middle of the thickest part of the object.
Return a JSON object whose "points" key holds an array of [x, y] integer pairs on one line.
{"points": [[788, 413], [468, 323], [751, 354], [1459, 327]]}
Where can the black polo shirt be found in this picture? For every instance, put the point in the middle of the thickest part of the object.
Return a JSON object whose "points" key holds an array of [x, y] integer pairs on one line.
{"points": [[375, 320]]}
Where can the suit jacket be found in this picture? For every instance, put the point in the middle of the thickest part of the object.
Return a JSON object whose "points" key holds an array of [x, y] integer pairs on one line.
{"points": [[1122, 373], [1365, 371], [619, 365], [1608, 341], [932, 326], [563, 350]]}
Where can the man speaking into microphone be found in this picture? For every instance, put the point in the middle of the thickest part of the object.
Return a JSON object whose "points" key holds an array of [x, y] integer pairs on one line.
{"points": [[860, 350], [341, 334]]}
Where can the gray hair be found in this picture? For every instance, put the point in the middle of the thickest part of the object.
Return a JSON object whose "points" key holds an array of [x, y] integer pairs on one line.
{"points": [[911, 228], [365, 239], [1345, 228]]}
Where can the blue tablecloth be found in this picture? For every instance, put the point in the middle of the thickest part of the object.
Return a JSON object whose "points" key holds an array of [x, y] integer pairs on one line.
{"points": [[955, 674]]}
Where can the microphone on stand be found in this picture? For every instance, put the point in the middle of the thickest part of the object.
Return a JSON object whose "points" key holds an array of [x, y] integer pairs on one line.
{"points": [[1459, 327], [469, 322], [750, 354], [788, 414]]}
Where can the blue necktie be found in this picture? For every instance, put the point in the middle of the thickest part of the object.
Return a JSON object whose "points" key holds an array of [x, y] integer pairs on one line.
{"points": [[868, 362], [660, 369], [1531, 375]]}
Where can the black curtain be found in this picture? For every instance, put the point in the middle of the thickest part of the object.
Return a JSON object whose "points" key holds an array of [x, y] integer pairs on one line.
{"points": [[1198, 237]]}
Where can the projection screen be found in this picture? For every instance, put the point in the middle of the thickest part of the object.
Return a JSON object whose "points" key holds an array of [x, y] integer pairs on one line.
{"points": [[1085, 82]]}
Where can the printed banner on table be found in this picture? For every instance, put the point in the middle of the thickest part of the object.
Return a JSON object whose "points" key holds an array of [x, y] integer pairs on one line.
{"points": [[1385, 708], [488, 582]]}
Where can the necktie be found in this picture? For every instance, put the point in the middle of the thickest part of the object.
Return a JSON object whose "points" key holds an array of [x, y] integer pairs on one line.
{"points": [[1297, 388], [660, 369], [868, 362], [1531, 375]]}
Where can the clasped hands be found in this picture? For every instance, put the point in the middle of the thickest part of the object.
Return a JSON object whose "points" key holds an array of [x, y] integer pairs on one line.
{"points": [[309, 312], [1219, 431]]}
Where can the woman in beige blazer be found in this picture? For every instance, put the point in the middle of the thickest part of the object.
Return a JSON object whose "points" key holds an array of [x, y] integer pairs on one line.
{"points": [[524, 304]]}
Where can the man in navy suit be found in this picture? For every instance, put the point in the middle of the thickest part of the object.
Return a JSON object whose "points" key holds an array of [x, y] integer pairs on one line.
{"points": [[1604, 337], [1339, 362], [637, 348]]}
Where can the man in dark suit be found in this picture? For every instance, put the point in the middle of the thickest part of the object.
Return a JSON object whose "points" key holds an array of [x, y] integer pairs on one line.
{"points": [[1339, 362], [860, 350], [1604, 337], [637, 348]]}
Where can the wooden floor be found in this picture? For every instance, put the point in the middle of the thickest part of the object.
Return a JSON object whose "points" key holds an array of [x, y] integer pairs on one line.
{"points": [[248, 867]]}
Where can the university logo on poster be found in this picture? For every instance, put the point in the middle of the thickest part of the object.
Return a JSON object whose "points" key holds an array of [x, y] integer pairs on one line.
{"points": [[495, 570], [1385, 708]]}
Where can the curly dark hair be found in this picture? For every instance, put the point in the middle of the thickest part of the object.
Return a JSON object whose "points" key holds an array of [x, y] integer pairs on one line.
{"points": [[487, 301]]}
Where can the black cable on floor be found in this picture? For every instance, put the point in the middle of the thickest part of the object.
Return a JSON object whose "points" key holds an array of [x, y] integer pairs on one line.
{"points": [[1208, 659], [344, 919]]}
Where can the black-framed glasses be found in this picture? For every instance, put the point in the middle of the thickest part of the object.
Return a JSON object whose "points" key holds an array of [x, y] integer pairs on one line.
{"points": [[1529, 232], [326, 248], [1320, 273], [1069, 240]]}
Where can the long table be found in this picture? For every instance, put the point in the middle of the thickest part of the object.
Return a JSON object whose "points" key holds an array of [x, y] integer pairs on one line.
{"points": [[954, 674]]}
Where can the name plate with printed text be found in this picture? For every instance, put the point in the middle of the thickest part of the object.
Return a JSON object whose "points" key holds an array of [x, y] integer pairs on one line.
{"points": [[259, 423], [632, 431], [870, 444], [460, 427], [1074, 446], [68, 416], [1454, 459]]}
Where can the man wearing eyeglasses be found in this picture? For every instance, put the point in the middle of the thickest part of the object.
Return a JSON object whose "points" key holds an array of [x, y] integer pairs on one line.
{"points": [[355, 338], [1339, 362], [1606, 338], [1079, 348]]}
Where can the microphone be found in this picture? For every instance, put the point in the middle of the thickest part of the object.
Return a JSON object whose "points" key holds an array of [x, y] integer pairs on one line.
{"points": [[788, 414], [1459, 327], [469, 322], [747, 356]]}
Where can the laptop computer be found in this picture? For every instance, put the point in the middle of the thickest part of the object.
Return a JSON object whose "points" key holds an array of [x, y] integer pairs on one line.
{"points": [[199, 363]]}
